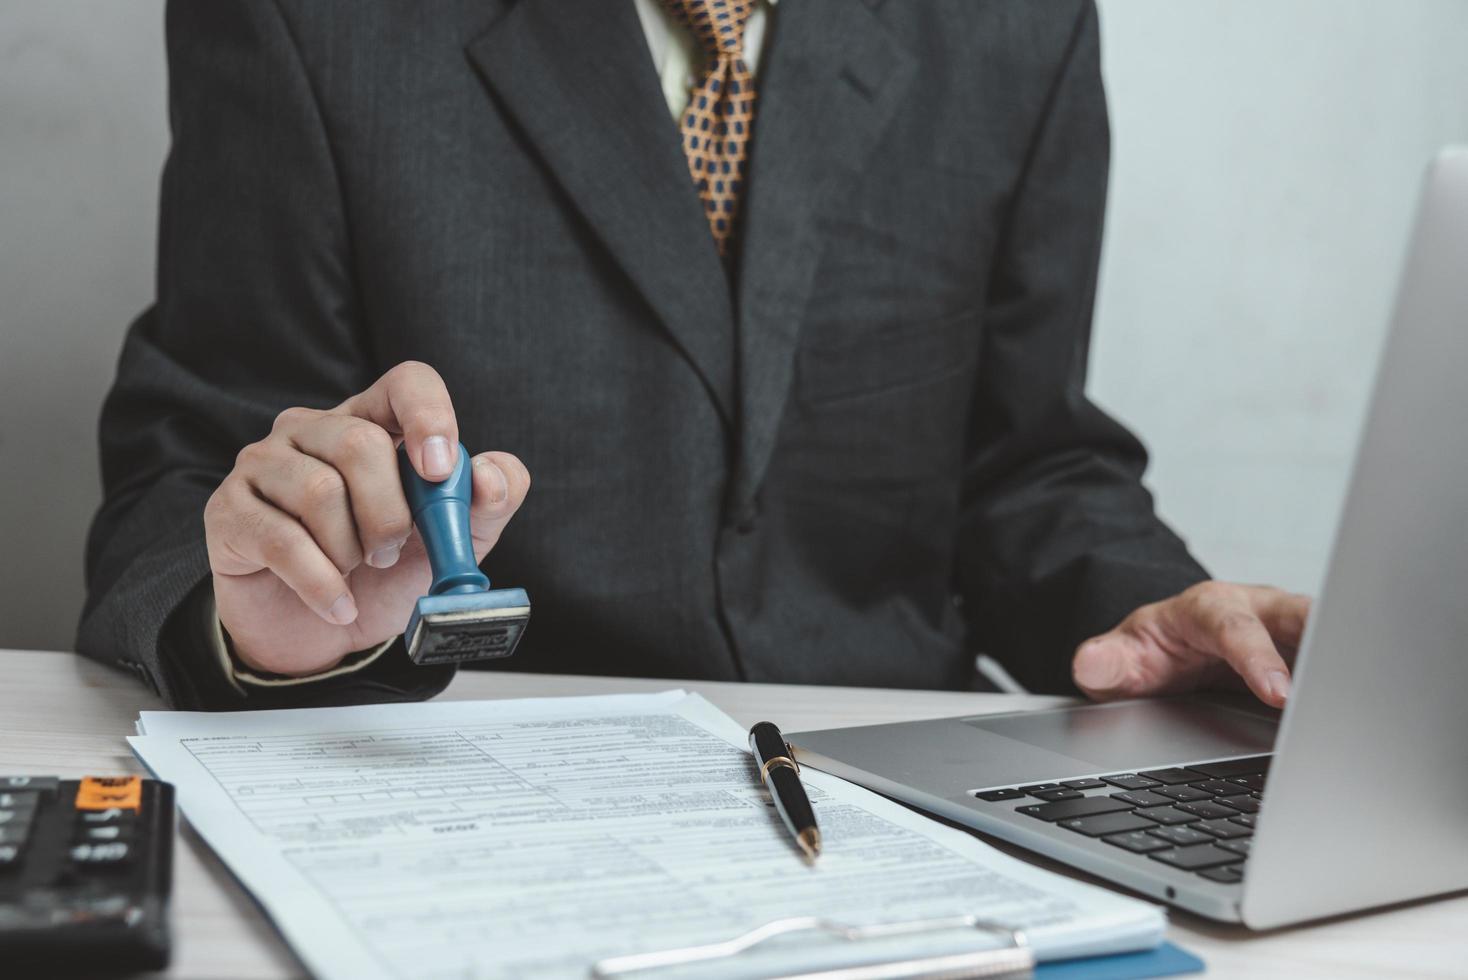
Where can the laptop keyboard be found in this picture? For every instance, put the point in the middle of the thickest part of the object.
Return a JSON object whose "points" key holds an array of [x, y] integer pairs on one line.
{"points": [[1198, 818]]}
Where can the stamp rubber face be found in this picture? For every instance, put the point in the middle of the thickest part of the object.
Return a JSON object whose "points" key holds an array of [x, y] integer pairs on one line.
{"points": [[459, 639]]}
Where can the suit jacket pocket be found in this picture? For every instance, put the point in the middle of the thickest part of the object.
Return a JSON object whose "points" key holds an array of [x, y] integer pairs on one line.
{"points": [[887, 362]]}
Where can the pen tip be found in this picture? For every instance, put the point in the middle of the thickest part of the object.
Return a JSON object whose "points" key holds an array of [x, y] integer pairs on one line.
{"points": [[810, 842]]}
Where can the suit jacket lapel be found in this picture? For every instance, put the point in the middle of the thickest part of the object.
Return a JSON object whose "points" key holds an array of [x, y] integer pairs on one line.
{"points": [[577, 78], [830, 80]]}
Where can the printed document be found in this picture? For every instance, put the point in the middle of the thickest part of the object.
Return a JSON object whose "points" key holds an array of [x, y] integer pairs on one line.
{"points": [[509, 839]]}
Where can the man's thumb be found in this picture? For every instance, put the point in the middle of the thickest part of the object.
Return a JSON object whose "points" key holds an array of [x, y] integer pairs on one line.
{"points": [[1102, 667]]}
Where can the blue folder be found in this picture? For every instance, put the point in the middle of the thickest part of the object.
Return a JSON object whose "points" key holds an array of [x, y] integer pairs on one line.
{"points": [[1166, 960]]}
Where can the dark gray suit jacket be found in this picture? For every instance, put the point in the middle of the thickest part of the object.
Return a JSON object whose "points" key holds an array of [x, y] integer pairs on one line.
{"points": [[855, 456]]}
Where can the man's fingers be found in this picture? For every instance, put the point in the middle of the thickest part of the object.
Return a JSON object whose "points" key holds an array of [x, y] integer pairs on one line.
{"points": [[315, 494], [1227, 626], [364, 454], [501, 482], [411, 400], [1284, 614], [246, 534]]}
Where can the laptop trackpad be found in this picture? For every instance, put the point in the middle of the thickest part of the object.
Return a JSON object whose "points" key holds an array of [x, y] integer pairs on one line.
{"points": [[1137, 734]]}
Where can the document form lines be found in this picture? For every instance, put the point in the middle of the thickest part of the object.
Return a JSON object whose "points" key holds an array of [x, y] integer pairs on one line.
{"points": [[509, 840]]}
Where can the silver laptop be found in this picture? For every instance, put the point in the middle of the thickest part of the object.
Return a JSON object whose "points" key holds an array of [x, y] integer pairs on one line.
{"points": [[1358, 796]]}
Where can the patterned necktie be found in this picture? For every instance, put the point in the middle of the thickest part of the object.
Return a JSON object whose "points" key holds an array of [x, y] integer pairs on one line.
{"points": [[720, 115]]}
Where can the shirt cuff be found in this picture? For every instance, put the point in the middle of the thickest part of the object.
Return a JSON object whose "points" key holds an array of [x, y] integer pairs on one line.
{"points": [[239, 675]]}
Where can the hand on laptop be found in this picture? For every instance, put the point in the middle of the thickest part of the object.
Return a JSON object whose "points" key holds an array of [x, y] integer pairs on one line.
{"points": [[1211, 635], [310, 539]]}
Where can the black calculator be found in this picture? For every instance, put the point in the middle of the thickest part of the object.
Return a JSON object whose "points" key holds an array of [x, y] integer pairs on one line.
{"points": [[85, 872]]}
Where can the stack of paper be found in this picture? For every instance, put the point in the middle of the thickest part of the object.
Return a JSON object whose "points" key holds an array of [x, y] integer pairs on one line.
{"points": [[533, 838]]}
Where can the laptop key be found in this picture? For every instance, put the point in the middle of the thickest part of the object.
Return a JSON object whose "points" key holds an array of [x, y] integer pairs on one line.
{"points": [[1217, 787], [1252, 783], [1183, 793], [1173, 775], [1181, 836], [1237, 846], [995, 795], [1240, 804], [1142, 797], [1086, 806], [1195, 858], [1130, 780], [1166, 815], [1106, 823], [1243, 820], [1206, 810], [1223, 828], [1038, 787], [1137, 841], [1082, 783], [1055, 795], [1257, 765], [1229, 874]]}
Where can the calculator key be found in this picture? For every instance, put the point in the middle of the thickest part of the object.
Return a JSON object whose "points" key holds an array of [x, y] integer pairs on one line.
{"points": [[1217, 787], [1181, 836], [1106, 823], [19, 799], [1206, 809], [9, 856], [1229, 874], [1130, 780], [1137, 841], [1141, 797], [110, 792], [16, 834], [37, 784], [1056, 795], [1244, 820], [1082, 783], [1183, 794], [106, 832], [1195, 858], [1065, 809], [1241, 804], [995, 795], [1257, 765], [102, 855], [1038, 787], [94, 817], [1237, 846], [1175, 774], [17, 816], [91, 907], [1223, 828], [1167, 814]]}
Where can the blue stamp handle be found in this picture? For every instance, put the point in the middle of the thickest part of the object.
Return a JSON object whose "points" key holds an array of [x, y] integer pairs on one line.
{"points": [[441, 512]]}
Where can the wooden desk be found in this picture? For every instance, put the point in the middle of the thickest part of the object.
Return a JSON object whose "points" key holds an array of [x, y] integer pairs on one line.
{"points": [[60, 714]]}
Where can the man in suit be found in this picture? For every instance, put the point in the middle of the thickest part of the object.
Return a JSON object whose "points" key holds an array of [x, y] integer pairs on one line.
{"points": [[785, 305]]}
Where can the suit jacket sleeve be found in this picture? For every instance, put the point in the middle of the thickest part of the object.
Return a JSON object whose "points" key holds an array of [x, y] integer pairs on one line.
{"points": [[1059, 539], [255, 312]]}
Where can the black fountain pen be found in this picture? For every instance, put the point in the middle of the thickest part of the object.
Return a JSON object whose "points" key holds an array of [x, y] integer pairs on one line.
{"points": [[780, 773]]}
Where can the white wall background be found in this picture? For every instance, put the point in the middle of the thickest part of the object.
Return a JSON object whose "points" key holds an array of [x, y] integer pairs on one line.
{"points": [[1266, 160], [83, 130]]}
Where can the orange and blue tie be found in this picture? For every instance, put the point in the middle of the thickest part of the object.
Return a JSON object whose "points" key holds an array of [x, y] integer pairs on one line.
{"points": [[719, 120]]}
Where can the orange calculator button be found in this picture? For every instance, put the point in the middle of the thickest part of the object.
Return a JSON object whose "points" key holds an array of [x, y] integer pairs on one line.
{"points": [[110, 792]]}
